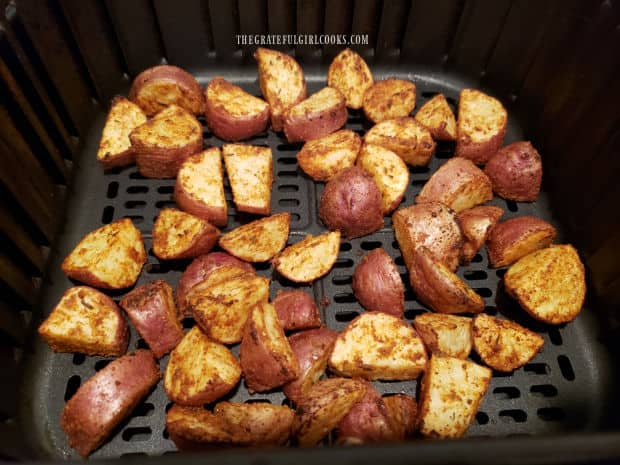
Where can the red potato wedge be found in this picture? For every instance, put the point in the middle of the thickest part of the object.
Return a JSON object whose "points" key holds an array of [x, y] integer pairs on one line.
{"points": [[259, 240], [476, 224], [200, 370], [437, 116], [432, 225], [110, 257], [377, 284], [327, 402], [319, 115], [502, 344], [352, 204], [296, 310], [231, 113], [451, 393], [349, 73], [267, 359], [481, 126], [389, 99], [199, 189], [102, 402], [459, 184], [161, 86], [549, 284], [308, 259], [152, 312], [311, 349], [389, 172], [403, 414], [250, 172], [323, 158], [376, 345], [198, 271], [115, 147], [281, 81], [516, 172], [86, 321], [517, 237], [165, 141], [178, 235], [404, 136], [445, 335]]}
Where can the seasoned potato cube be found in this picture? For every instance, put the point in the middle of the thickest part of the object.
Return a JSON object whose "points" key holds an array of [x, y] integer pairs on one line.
{"points": [[447, 335], [437, 116], [349, 73], [296, 310], [389, 99], [405, 137], [476, 224], [310, 258], [178, 235], [323, 158]]}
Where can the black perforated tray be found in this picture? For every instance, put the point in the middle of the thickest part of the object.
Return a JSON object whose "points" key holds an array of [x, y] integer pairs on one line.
{"points": [[561, 390]]}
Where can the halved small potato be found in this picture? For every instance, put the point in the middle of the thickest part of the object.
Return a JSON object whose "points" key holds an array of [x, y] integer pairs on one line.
{"points": [[447, 335], [296, 310], [259, 240], [437, 116], [178, 235], [349, 73], [406, 137], [389, 99], [319, 115], [476, 224], [323, 158], [310, 258]]}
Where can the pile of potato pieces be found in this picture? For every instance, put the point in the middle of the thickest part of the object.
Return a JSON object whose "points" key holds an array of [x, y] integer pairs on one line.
{"points": [[445, 227]]}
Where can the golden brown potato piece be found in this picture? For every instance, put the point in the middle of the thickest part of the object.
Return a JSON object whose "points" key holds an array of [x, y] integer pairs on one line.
{"points": [[403, 413], [267, 359], [152, 312], [250, 172], [200, 370], [222, 303], [405, 137], [459, 184], [160, 86], [446, 335], [259, 240], [476, 224], [178, 235], [512, 239], [389, 99], [516, 172], [502, 344], [311, 349], [481, 126], [389, 172], [549, 284], [165, 141], [231, 113], [377, 284], [86, 321], [349, 73], [106, 399], [439, 288], [319, 115], [437, 116], [376, 345], [310, 258], [323, 158], [327, 402], [296, 310], [451, 393], [281, 81], [199, 189], [110, 257], [432, 225], [115, 147]]}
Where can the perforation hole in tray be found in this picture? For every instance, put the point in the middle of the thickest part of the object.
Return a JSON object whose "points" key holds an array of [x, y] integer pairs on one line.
{"points": [[73, 383], [137, 433], [516, 415]]}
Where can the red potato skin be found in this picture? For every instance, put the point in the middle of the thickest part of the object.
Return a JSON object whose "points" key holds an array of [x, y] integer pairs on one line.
{"points": [[481, 152], [476, 223], [198, 271], [158, 163], [296, 310], [103, 401], [377, 284], [403, 414], [301, 128]]}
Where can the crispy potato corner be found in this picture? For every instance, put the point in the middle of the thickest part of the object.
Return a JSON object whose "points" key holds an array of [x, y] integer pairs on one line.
{"points": [[310, 258]]}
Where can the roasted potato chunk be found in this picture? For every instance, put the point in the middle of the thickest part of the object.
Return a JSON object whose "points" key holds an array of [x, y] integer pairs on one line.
{"points": [[446, 335], [110, 257], [115, 147], [296, 310], [405, 137], [308, 259], [259, 240], [319, 115], [376, 345], [86, 321], [200, 370], [389, 99], [403, 414], [516, 172], [549, 284], [437, 116], [513, 239], [451, 393], [178, 235], [476, 223], [323, 158], [231, 113], [349, 73]]}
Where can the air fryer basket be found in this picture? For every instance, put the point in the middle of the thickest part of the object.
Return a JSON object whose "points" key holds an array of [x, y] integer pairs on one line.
{"points": [[560, 405]]}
